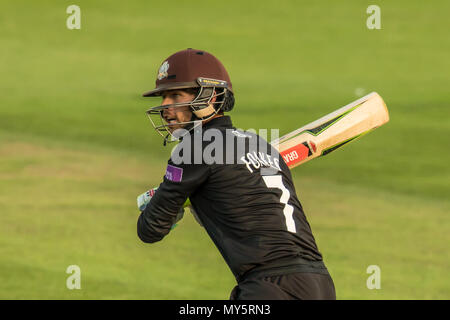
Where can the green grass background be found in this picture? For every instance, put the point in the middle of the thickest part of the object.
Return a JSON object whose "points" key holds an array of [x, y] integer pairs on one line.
{"points": [[76, 147]]}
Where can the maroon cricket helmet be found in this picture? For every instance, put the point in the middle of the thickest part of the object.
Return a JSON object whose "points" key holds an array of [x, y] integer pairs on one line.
{"points": [[190, 68]]}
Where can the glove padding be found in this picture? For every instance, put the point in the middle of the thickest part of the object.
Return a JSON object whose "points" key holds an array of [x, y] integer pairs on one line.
{"points": [[144, 199]]}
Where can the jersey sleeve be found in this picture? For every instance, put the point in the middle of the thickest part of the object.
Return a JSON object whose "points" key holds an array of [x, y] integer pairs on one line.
{"points": [[180, 181]]}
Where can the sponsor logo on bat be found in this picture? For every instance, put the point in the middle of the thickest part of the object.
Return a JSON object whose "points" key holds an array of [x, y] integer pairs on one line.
{"points": [[296, 154]]}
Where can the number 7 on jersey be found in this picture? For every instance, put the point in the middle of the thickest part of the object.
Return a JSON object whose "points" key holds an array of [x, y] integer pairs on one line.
{"points": [[276, 181]]}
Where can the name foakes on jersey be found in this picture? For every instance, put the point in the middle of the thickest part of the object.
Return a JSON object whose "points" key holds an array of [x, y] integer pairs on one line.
{"points": [[257, 160]]}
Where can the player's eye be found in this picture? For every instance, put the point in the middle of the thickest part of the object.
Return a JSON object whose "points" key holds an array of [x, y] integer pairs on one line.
{"points": [[172, 96]]}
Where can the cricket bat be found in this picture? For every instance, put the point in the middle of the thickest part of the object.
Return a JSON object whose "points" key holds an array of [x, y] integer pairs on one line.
{"points": [[332, 131], [324, 135]]}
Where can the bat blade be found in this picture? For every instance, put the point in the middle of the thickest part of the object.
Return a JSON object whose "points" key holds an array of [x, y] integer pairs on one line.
{"points": [[333, 131]]}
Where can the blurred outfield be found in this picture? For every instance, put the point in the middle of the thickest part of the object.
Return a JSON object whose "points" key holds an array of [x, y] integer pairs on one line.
{"points": [[76, 147]]}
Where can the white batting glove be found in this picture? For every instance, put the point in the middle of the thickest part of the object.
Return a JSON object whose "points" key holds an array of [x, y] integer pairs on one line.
{"points": [[144, 199]]}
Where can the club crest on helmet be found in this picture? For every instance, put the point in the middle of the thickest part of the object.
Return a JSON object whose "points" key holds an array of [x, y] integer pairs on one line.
{"points": [[162, 73]]}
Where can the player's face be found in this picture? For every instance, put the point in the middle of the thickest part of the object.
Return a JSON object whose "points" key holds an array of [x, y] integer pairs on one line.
{"points": [[176, 115]]}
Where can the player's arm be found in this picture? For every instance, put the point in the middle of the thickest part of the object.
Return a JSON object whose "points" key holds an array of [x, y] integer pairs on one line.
{"points": [[164, 207]]}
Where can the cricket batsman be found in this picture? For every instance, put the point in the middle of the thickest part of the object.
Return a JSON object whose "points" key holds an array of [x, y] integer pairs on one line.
{"points": [[240, 189]]}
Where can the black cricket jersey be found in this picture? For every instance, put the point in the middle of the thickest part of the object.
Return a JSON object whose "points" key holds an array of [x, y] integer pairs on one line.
{"points": [[244, 196]]}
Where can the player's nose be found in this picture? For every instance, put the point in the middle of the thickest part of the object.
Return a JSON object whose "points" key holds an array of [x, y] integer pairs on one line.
{"points": [[168, 111]]}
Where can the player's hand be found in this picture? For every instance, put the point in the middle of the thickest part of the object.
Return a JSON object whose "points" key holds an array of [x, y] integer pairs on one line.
{"points": [[144, 199]]}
